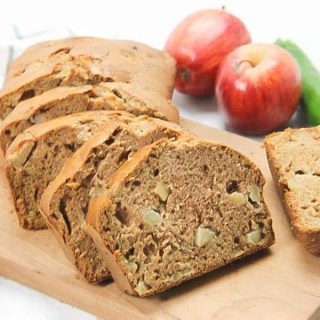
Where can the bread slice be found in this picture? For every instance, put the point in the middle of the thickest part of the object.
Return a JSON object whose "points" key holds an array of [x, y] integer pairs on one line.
{"points": [[176, 210], [82, 61], [38, 154], [294, 160], [66, 100], [64, 203]]}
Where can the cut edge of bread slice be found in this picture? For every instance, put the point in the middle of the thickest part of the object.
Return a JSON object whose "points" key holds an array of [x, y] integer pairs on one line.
{"points": [[288, 153], [62, 101], [28, 156], [257, 235], [75, 182]]}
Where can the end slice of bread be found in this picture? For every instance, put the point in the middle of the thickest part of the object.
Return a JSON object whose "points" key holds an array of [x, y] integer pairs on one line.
{"points": [[79, 61], [178, 209], [294, 160]]}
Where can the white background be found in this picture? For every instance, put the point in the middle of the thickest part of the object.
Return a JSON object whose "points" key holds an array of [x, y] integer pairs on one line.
{"points": [[149, 22]]}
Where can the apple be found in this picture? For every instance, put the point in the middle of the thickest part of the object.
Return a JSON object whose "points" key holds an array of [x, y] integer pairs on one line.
{"points": [[258, 88], [199, 44]]}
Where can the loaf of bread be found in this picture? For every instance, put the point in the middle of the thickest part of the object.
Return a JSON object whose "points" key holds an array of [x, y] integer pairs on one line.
{"points": [[64, 202], [66, 100], [293, 157], [177, 209], [37, 155], [123, 191], [82, 61]]}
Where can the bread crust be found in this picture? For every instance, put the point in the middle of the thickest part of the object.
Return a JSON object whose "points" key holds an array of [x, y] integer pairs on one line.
{"points": [[309, 236], [129, 57], [86, 60]]}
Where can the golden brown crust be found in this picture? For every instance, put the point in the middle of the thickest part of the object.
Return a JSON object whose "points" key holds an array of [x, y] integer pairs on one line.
{"points": [[307, 234], [95, 209], [21, 81], [128, 57], [81, 61]]}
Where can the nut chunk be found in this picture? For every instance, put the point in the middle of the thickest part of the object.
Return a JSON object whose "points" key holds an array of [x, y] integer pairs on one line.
{"points": [[151, 217], [162, 191], [204, 236], [253, 237]]}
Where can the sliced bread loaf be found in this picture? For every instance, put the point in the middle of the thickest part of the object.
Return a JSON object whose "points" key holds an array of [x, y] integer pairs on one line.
{"points": [[38, 154], [176, 210], [294, 160], [66, 100], [82, 61], [64, 203]]}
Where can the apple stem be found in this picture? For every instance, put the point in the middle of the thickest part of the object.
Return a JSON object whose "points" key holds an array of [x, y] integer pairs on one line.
{"points": [[243, 65]]}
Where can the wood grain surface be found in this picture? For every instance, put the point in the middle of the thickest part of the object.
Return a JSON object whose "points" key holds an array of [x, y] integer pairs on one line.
{"points": [[280, 283]]}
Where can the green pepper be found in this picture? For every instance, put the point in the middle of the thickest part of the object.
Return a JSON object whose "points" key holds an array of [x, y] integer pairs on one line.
{"points": [[310, 80]]}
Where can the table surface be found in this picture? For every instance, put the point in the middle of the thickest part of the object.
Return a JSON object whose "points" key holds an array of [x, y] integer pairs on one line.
{"points": [[23, 23]]}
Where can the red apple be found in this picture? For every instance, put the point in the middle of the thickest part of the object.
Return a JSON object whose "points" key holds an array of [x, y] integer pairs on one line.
{"points": [[199, 44], [258, 88]]}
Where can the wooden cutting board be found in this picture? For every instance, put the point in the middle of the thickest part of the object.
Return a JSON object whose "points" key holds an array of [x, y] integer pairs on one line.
{"points": [[281, 283]]}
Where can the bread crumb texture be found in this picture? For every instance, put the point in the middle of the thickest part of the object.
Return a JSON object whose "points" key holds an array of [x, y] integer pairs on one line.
{"points": [[294, 158], [181, 209]]}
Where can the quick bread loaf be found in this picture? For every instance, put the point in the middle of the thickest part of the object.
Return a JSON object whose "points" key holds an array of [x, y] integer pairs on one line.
{"points": [[93, 151], [86, 61], [293, 157], [177, 209], [37, 155], [66, 100], [65, 201]]}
